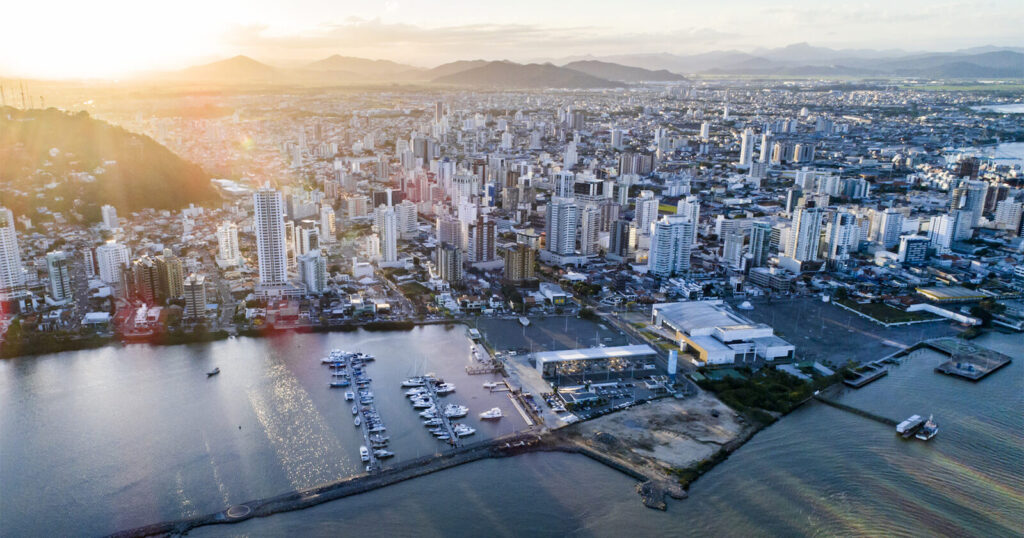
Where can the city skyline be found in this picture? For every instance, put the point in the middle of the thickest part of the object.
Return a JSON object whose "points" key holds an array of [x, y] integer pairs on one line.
{"points": [[423, 35]]}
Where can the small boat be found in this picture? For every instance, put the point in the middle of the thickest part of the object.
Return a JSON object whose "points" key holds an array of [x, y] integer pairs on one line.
{"points": [[462, 430], [490, 385], [443, 437], [929, 430], [364, 453], [381, 453], [422, 404], [355, 409], [455, 411], [445, 388], [493, 414], [213, 372], [414, 382], [357, 422], [432, 423], [340, 384], [412, 393], [350, 396]]}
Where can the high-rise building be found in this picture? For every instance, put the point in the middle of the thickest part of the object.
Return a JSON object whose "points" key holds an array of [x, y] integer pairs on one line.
{"points": [[616, 139], [195, 296], [732, 248], [145, 281], [307, 237], [760, 243], [560, 226], [519, 263], [590, 223], [1008, 215], [386, 222], [271, 238], [111, 259], [170, 276], [407, 219], [480, 246], [327, 224], [746, 148], [622, 239], [564, 184], [793, 200], [58, 268], [12, 278], [313, 272], [89, 261], [228, 253], [689, 207], [646, 210], [449, 263], [891, 227], [913, 249], [943, 229], [969, 196], [842, 236], [109, 215], [805, 235], [670, 246]]}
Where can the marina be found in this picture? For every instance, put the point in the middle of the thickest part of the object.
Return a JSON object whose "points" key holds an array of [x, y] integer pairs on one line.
{"points": [[349, 367]]}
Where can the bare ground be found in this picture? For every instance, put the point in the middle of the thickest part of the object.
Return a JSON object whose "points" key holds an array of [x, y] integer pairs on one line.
{"points": [[663, 434]]}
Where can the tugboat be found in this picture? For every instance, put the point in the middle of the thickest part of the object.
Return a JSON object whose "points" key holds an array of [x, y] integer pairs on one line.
{"points": [[213, 372], [929, 430]]}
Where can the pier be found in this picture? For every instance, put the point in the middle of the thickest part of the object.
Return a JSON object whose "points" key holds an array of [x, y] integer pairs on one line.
{"points": [[445, 421], [967, 360], [872, 371], [652, 490], [855, 411]]}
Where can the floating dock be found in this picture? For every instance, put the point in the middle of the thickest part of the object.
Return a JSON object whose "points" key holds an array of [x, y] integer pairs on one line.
{"points": [[873, 372], [967, 360]]}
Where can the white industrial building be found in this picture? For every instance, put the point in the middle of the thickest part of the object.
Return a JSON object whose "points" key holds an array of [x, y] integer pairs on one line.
{"points": [[713, 334]]}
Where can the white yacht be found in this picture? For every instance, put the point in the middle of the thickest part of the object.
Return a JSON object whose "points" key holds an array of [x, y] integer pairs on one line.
{"points": [[455, 411], [445, 388], [350, 396], [364, 453], [492, 414], [414, 382], [490, 385], [357, 422]]}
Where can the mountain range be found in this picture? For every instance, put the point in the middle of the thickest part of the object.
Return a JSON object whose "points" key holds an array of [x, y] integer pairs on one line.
{"points": [[799, 59]]}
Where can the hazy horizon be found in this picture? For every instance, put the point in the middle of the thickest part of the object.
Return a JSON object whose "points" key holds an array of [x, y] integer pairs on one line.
{"points": [[115, 38]]}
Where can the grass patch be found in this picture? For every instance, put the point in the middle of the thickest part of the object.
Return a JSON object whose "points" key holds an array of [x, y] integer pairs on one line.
{"points": [[414, 289], [766, 390], [885, 313]]}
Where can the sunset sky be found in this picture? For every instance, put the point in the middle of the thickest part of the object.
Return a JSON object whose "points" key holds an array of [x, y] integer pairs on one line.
{"points": [[116, 38]]}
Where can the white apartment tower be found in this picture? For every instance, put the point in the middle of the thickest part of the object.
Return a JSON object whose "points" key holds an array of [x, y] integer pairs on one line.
{"points": [[805, 235], [58, 268], [12, 279], [271, 239], [109, 215], [560, 227], [646, 210], [670, 246], [386, 222], [228, 253], [111, 258]]}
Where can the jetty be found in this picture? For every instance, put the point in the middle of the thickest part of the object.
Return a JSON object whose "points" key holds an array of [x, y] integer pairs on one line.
{"points": [[850, 409], [652, 490], [967, 360]]}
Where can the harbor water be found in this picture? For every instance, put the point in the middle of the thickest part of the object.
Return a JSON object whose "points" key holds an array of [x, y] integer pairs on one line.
{"points": [[112, 438]]}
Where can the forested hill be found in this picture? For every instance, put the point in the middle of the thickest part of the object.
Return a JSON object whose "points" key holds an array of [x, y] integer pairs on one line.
{"points": [[72, 163]]}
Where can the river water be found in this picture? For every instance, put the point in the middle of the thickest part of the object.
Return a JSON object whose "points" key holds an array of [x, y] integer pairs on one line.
{"points": [[112, 438]]}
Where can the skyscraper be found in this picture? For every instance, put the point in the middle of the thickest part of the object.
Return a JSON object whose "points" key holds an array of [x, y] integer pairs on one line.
{"points": [[109, 215], [12, 279], [689, 207], [271, 242], [913, 249], [481, 240], [646, 210], [590, 222], [58, 268], [386, 222], [805, 235], [449, 263], [891, 227], [111, 258], [195, 295], [560, 226], [670, 246], [746, 148], [228, 253], [327, 224], [622, 239], [313, 272], [842, 236], [760, 243]]}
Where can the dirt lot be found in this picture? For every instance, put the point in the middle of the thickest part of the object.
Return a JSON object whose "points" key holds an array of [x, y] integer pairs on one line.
{"points": [[663, 434]]}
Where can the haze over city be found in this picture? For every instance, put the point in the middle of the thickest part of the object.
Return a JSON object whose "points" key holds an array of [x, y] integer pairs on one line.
{"points": [[109, 39]]}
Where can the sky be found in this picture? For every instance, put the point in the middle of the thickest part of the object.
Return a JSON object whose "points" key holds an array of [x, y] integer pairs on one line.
{"points": [[120, 38]]}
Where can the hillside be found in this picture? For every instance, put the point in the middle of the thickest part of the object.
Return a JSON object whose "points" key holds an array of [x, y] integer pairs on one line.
{"points": [[513, 75], [622, 73], [381, 69], [240, 69], [64, 161]]}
